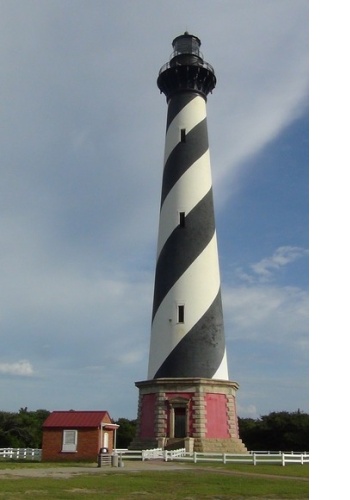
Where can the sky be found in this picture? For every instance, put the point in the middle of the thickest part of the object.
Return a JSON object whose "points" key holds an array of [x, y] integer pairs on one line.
{"points": [[82, 134]]}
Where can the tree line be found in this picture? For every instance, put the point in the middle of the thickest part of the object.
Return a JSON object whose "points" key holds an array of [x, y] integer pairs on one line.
{"points": [[22, 429], [277, 431]]}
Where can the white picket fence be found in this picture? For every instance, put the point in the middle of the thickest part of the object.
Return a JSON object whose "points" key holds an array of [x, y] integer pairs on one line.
{"points": [[249, 458], [253, 458], [20, 454], [152, 454]]}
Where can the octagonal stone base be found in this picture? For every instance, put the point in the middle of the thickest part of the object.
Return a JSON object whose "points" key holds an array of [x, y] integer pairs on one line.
{"points": [[196, 413]]}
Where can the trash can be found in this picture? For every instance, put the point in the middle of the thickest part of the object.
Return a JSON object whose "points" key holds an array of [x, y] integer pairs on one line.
{"points": [[120, 460], [114, 459]]}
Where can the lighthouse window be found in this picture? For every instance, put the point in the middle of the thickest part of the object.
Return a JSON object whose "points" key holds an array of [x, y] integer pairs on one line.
{"points": [[181, 314], [182, 219], [183, 135]]}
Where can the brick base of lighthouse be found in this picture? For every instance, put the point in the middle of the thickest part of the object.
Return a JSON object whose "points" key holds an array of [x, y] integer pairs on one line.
{"points": [[196, 413]]}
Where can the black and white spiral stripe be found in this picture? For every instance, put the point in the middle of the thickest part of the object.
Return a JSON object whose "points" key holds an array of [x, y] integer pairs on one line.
{"points": [[187, 270]]}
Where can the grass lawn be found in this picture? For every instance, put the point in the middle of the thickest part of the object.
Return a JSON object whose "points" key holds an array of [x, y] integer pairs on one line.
{"points": [[227, 482], [291, 470]]}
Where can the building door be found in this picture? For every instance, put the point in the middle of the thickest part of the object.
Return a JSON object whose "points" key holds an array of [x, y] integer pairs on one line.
{"points": [[180, 422], [105, 440]]}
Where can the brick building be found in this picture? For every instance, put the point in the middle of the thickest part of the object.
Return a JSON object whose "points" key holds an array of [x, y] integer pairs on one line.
{"points": [[77, 435]]}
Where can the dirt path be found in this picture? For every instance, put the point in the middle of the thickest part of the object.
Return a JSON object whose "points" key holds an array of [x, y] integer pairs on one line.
{"points": [[64, 472]]}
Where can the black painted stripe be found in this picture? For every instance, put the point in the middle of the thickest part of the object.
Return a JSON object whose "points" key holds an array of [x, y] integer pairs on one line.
{"points": [[176, 104], [200, 352], [183, 246], [184, 155]]}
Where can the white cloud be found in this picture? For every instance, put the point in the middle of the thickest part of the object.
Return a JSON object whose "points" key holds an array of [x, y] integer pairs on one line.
{"points": [[131, 357], [281, 257], [248, 411], [22, 368], [267, 313]]}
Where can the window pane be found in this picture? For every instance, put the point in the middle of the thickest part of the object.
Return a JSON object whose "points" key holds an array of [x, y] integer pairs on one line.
{"points": [[181, 314], [182, 219], [69, 437], [70, 441]]}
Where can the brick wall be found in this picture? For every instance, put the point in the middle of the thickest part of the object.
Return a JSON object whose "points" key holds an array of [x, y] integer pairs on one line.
{"points": [[88, 445]]}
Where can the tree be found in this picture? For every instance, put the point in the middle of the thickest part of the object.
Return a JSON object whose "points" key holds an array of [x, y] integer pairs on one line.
{"points": [[126, 432], [22, 429], [278, 431]]}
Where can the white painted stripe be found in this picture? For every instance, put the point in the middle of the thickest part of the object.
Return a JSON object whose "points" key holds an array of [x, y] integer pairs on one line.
{"points": [[222, 371], [192, 186], [192, 114], [196, 289]]}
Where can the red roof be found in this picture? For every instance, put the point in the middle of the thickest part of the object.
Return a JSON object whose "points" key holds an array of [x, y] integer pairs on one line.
{"points": [[74, 418]]}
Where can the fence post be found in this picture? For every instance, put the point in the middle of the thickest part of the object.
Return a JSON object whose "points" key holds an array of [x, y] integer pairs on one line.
{"points": [[224, 458], [195, 457], [254, 458], [283, 461]]}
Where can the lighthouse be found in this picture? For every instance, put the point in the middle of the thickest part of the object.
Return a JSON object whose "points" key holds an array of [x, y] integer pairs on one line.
{"points": [[187, 399]]}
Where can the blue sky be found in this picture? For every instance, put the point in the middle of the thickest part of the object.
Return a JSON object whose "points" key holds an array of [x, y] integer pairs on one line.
{"points": [[82, 140]]}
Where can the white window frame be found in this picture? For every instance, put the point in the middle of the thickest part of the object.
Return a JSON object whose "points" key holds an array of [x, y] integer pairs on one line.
{"points": [[70, 441]]}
